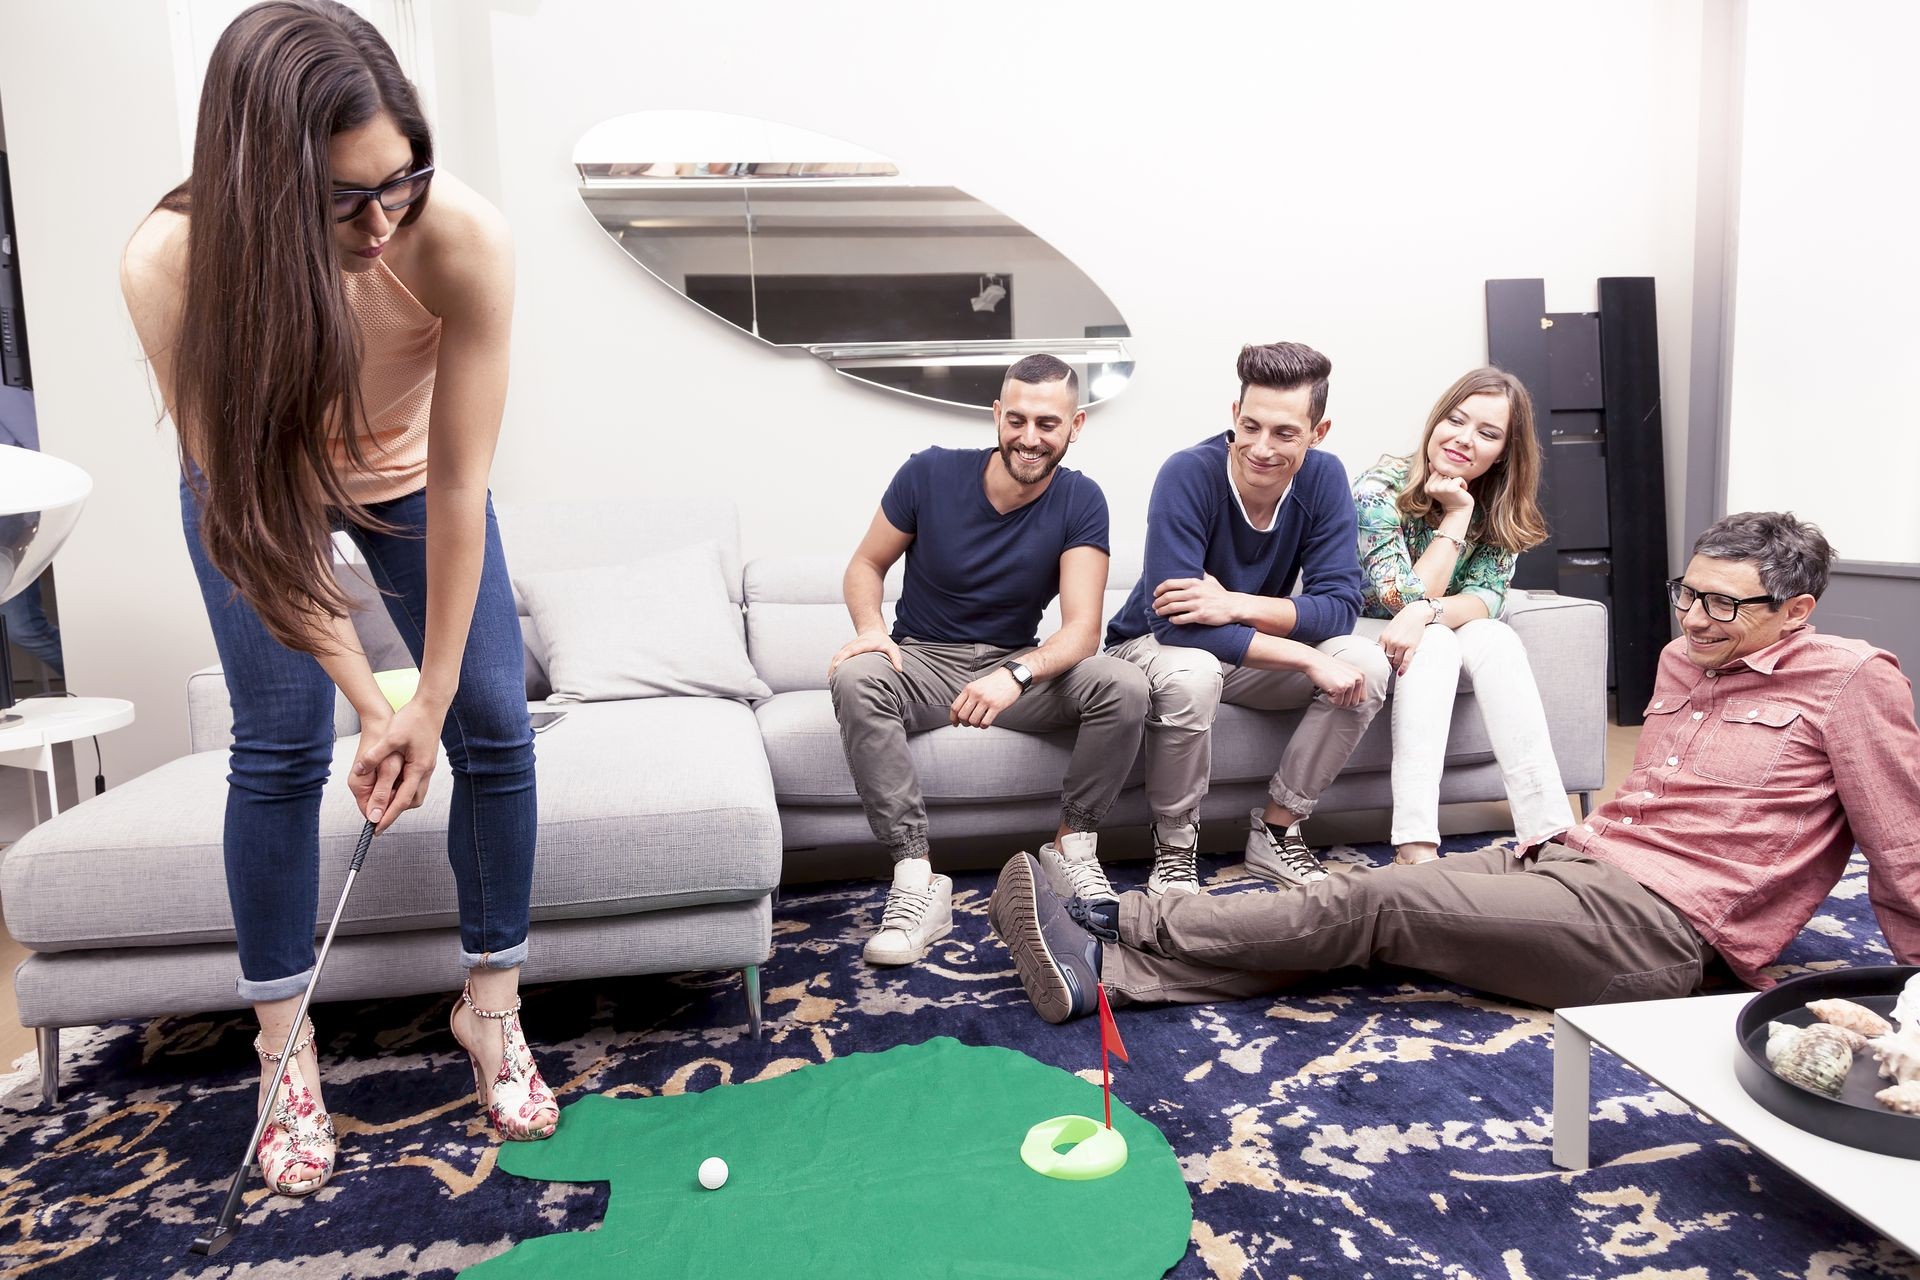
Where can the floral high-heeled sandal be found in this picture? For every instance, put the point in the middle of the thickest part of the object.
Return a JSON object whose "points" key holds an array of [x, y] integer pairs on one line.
{"points": [[300, 1135], [517, 1101]]}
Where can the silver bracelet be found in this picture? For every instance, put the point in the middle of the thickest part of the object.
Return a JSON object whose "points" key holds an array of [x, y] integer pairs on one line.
{"points": [[1460, 544]]}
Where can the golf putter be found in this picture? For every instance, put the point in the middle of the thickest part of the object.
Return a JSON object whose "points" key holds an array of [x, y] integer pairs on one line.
{"points": [[222, 1234]]}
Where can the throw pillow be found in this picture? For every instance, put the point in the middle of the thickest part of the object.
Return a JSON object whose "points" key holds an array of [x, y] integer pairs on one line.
{"points": [[656, 628]]}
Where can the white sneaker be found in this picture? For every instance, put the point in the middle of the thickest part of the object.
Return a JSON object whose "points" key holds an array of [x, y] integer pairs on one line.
{"points": [[1176, 866], [1073, 871], [1281, 856], [914, 920]]}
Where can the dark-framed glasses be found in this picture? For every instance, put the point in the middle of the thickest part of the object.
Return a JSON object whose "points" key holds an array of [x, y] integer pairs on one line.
{"points": [[1720, 608], [393, 196]]}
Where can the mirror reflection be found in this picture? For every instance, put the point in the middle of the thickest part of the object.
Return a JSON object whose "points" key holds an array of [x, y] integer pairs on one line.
{"points": [[915, 288]]}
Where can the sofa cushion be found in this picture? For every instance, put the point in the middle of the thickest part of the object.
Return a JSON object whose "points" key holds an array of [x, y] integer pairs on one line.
{"points": [[644, 805], [656, 627]]}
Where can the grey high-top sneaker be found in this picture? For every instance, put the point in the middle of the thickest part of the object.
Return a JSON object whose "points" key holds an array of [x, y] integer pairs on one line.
{"points": [[914, 920], [1281, 856], [1073, 870], [1176, 865], [1056, 955]]}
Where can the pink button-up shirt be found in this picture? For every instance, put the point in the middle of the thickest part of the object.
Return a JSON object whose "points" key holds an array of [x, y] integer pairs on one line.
{"points": [[1753, 783]]}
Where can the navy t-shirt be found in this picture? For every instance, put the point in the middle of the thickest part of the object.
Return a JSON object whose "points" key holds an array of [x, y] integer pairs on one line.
{"points": [[975, 576]]}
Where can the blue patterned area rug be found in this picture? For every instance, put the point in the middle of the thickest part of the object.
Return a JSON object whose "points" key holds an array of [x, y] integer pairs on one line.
{"points": [[1365, 1125]]}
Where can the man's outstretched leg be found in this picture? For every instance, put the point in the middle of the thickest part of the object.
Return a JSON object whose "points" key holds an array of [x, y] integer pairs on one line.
{"points": [[1555, 930]]}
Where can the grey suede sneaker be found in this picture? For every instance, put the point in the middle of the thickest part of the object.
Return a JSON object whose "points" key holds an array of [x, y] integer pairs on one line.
{"points": [[1279, 857], [1057, 959]]}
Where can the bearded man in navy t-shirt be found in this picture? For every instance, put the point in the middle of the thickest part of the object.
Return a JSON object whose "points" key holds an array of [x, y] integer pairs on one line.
{"points": [[990, 537]]}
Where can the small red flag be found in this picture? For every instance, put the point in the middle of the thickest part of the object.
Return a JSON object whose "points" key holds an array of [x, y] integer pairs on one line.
{"points": [[1109, 1029]]}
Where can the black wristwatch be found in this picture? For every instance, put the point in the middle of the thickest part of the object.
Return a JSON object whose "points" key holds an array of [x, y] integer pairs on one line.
{"points": [[1021, 676]]}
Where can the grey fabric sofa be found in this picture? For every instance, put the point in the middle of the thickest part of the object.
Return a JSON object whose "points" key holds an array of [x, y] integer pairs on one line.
{"points": [[999, 782], [664, 822], [659, 845]]}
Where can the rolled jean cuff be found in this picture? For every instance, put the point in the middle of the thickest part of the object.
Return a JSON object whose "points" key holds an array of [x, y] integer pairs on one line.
{"points": [[512, 958], [273, 988], [1301, 807]]}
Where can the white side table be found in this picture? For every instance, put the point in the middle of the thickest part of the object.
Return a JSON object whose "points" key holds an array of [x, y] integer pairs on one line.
{"points": [[28, 743], [1687, 1047]]}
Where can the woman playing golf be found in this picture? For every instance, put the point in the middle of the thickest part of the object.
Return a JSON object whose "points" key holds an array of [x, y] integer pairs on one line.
{"points": [[332, 347]]}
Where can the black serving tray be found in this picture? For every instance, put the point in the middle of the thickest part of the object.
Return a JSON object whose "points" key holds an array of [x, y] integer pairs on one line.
{"points": [[1854, 1117]]}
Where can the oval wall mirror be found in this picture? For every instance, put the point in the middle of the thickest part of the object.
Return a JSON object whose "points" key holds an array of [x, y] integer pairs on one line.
{"points": [[805, 242]]}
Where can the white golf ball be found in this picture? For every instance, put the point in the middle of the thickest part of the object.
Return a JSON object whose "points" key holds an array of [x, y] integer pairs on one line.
{"points": [[713, 1173]]}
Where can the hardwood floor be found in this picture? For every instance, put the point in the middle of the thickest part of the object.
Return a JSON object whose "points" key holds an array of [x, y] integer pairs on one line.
{"points": [[16, 1040]]}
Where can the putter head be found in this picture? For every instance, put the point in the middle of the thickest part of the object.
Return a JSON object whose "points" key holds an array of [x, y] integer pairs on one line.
{"points": [[208, 1246]]}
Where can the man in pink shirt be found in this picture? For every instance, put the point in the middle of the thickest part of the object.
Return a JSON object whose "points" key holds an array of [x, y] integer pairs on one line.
{"points": [[1769, 751]]}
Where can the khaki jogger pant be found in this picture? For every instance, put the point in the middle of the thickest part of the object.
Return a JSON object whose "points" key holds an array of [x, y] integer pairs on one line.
{"points": [[1552, 930], [878, 707], [1187, 687]]}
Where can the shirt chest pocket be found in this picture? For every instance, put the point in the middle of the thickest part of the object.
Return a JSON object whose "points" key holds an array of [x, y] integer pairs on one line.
{"points": [[1660, 725], [1745, 744]]}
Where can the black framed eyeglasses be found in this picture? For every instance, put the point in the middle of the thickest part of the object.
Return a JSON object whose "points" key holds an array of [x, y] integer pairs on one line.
{"points": [[393, 196], [1720, 608]]}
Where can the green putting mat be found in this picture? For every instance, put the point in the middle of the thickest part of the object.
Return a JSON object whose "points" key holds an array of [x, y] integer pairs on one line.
{"points": [[899, 1164]]}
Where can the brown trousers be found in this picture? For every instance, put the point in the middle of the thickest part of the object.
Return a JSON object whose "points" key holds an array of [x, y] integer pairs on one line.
{"points": [[1556, 929]]}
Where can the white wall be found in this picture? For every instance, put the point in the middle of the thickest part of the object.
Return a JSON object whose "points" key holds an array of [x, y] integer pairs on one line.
{"points": [[1825, 330], [1346, 176], [93, 141]]}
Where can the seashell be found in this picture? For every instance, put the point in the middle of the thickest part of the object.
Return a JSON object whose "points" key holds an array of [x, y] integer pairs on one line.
{"points": [[1780, 1037], [1904, 1098], [1818, 1059], [1898, 1054], [1906, 1010], [1782, 1034], [1854, 1017]]}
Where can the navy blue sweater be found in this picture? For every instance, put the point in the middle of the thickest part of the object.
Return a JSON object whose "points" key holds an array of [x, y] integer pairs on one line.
{"points": [[1195, 526]]}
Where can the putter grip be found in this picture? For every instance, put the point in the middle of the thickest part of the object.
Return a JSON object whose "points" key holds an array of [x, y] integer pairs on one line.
{"points": [[360, 850]]}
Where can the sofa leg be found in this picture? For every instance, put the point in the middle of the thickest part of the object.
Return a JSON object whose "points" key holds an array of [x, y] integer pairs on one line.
{"points": [[752, 975], [1586, 803], [48, 1039]]}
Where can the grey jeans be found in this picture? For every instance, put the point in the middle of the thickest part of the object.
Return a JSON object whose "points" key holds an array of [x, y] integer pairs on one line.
{"points": [[1555, 929], [1188, 686], [878, 707]]}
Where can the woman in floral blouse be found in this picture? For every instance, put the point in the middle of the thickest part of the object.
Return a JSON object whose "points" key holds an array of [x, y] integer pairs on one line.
{"points": [[1439, 533]]}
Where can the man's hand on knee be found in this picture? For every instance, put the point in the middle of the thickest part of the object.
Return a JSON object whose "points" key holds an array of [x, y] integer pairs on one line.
{"points": [[867, 642]]}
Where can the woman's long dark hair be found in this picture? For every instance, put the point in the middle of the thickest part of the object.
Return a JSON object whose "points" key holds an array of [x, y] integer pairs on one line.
{"points": [[267, 365]]}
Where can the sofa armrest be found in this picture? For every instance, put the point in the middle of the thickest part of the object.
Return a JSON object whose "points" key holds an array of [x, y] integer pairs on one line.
{"points": [[1566, 641], [210, 712]]}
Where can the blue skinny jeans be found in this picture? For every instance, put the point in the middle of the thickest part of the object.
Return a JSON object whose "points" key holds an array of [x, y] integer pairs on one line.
{"points": [[283, 749]]}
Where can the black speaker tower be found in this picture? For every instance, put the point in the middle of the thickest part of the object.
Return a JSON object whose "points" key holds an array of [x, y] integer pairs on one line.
{"points": [[1595, 382]]}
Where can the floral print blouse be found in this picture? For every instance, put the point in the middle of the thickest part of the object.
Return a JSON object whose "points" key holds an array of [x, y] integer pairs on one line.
{"points": [[1389, 546]]}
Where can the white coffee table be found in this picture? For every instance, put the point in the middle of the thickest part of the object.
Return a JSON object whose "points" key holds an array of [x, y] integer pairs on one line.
{"points": [[1688, 1048], [44, 723]]}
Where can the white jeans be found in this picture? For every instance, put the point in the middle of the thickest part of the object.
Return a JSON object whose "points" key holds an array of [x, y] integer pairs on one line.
{"points": [[1496, 665]]}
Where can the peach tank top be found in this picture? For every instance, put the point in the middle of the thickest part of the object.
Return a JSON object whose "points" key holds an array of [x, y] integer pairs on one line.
{"points": [[399, 351]]}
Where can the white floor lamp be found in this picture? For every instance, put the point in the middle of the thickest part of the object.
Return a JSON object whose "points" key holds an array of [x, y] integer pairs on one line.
{"points": [[40, 502]]}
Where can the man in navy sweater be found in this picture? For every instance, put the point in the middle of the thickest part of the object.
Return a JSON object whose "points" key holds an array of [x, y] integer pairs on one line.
{"points": [[990, 537], [1232, 521]]}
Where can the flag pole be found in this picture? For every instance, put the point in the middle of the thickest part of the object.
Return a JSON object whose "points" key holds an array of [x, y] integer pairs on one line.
{"points": [[1106, 1082]]}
